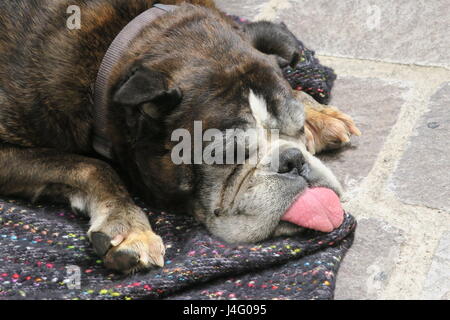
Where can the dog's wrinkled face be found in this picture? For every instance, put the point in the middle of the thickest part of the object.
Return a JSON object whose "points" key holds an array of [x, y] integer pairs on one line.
{"points": [[245, 202], [238, 202]]}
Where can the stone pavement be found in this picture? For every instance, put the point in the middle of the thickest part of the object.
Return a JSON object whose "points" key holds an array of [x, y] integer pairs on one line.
{"points": [[393, 64]]}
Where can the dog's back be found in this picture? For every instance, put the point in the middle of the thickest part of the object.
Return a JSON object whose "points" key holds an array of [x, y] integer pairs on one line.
{"points": [[47, 70]]}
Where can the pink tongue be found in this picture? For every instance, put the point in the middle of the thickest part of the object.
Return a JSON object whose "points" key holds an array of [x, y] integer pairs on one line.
{"points": [[318, 209]]}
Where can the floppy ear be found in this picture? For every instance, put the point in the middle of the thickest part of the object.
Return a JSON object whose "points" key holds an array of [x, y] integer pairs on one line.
{"points": [[145, 85]]}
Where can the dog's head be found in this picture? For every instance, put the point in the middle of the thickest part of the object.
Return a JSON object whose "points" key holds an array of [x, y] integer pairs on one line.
{"points": [[184, 107]]}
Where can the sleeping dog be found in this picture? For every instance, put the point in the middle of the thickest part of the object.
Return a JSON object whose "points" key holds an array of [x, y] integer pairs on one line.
{"points": [[190, 64]]}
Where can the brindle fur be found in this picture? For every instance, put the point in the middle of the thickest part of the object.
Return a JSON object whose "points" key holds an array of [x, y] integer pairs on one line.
{"points": [[46, 77]]}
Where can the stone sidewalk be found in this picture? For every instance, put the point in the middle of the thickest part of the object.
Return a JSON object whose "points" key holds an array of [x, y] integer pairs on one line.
{"points": [[393, 64]]}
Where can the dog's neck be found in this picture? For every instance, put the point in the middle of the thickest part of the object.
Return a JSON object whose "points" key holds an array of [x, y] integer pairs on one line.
{"points": [[101, 141]]}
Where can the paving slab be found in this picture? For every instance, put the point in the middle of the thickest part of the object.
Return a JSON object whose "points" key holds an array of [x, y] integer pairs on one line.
{"points": [[404, 31], [423, 174], [374, 104], [437, 284], [248, 9], [367, 267]]}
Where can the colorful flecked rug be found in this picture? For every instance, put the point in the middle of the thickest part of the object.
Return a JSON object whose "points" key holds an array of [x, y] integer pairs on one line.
{"points": [[44, 252]]}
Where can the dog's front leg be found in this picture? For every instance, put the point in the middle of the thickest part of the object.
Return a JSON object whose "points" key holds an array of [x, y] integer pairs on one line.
{"points": [[120, 232]]}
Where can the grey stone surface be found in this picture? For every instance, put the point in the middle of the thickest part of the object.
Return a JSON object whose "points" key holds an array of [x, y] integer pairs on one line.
{"points": [[374, 105], [405, 31], [246, 9], [423, 174], [367, 267], [437, 284]]}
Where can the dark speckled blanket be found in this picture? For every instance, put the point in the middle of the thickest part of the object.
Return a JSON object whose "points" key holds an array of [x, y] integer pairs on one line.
{"points": [[44, 251]]}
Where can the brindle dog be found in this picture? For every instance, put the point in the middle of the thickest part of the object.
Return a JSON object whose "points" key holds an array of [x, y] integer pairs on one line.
{"points": [[191, 64]]}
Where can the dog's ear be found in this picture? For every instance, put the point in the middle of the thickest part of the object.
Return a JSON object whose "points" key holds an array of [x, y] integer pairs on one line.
{"points": [[145, 86], [274, 39]]}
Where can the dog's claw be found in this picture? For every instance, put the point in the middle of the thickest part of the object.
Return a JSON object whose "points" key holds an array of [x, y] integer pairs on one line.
{"points": [[101, 243], [117, 240], [122, 260], [156, 255], [354, 130]]}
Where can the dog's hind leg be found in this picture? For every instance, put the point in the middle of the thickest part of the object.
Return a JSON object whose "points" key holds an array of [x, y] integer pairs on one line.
{"points": [[326, 128], [274, 39], [120, 232]]}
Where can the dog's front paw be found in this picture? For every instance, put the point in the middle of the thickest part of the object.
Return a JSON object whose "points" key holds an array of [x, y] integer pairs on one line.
{"points": [[328, 129], [127, 246]]}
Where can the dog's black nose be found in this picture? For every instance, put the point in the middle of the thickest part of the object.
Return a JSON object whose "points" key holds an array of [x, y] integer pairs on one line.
{"points": [[291, 161]]}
